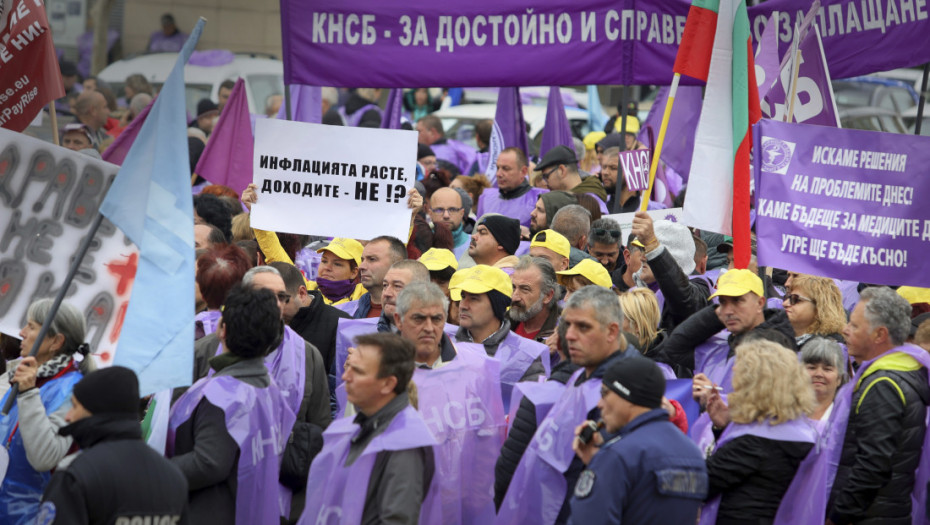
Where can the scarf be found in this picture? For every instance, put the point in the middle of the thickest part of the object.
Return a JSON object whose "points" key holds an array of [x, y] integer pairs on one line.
{"points": [[459, 237], [336, 290], [49, 368]]}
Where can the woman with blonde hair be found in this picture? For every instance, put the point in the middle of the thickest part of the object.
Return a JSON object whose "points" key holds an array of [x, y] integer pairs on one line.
{"points": [[641, 317], [815, 308], [767, 437]]}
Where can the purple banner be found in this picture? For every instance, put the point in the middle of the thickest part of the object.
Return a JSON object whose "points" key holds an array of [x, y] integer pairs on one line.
{"points": [[840, 203], [635, 165], [356, 43]]}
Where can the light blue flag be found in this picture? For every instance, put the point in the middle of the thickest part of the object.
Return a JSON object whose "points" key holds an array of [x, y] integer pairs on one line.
{"points": [[150, 201], [597, 117]]}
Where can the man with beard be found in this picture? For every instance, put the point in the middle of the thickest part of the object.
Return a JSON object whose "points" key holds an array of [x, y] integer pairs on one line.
{"points": [[628, 201], [534, 307], [546, 207], [604, 242]]}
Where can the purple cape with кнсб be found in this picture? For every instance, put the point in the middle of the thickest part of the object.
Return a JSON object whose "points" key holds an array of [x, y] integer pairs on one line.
{"points": [[538, 488], [516, 354], [259, 421], [462, 406], [337, 493], [518, 208]]}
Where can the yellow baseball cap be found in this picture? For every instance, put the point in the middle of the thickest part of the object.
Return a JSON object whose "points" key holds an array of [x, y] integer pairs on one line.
{"points": [[344, 248], [914, 295], [632, 124], [736, 283], [479, 279], [591, 270], [553, 240], [592, 138], [436, 259]]}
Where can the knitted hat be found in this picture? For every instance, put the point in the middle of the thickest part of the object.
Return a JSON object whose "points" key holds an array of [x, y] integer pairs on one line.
{"points": [[637, 380], [506, 231], [677, 239], [424, 151], [113, 390]]}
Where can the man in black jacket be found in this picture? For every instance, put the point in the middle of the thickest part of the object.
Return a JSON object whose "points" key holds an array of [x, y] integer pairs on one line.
{"points": [[98, 486], [887, 413]]}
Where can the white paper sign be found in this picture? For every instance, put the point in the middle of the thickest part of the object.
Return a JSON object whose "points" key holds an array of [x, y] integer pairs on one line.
{"points": [[333, 180], [48, 198], [626, 219]]}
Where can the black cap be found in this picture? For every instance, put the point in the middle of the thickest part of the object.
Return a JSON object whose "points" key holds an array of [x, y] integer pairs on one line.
{"points": [[613, 140], [506, 231], [205, 106], [638, 380], [557, 156], [424, 151], [113, 390]]}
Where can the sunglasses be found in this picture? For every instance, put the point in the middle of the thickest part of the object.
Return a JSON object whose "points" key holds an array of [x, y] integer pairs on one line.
{"points": [[601, 231], [795, 299], [546, 174]]}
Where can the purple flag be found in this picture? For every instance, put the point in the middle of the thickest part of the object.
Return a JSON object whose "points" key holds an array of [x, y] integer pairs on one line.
{"points": [[306, 104], [509, 118], [558, 132], [259, 421], [357, 43], [227, 159], [393, 111], [679, 135], [767, 60], [846, 204], [116, 152]]}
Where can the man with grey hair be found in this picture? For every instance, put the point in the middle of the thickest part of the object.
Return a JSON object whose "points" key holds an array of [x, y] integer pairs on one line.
{"points": [[420, 315], [534, 306], [401, 274], [574, 222], [886, 432], [306, 387], [604, 242], [593, 321]]}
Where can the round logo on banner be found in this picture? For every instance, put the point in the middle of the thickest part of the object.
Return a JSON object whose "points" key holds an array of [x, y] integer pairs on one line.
{"points": [[776, 155]]}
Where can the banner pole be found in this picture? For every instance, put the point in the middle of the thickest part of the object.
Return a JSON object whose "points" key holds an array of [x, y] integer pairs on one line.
{"points": [[922, 100], [287, 102], [53, 115], [624, 110], [673, 90], [795, 71], [62, 292]]}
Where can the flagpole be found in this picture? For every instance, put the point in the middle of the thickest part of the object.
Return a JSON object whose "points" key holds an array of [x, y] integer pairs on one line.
{"points": [[287, 102], [922, 100], [795, 70], [62, 291], [673, 90], [54, 116]]}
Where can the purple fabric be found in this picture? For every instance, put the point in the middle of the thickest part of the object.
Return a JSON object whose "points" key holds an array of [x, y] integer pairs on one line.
{"points": [[519, 208], [850, 292], [710, 358], [336, 290], [354, 119], [306, 104], [159, 43], [800, 430], [85, 45], [260, 421], [211, 58], [208, 321], [538, 487], [543, 394], [557, 131], [227, 158], [509, 118], [801, 224], [515, 354], [337, 493], [635, 167], [679, 136], [459, 154], [767, 59], [116, 152], [393, 110], [814, 102], [348, 307], [390, 44], [495, 146], [680, 390], [308, 261], [462, 406]]}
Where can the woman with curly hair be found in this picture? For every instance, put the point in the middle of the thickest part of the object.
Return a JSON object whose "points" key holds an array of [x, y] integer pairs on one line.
{"points": [[766, 436], [815, 308]]}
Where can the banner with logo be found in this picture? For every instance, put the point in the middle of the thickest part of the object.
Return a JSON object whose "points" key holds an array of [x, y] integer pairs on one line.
{"points": [[355, 43], [846, 204]]}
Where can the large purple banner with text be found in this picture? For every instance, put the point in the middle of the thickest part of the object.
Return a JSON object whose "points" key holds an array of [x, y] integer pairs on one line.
{"points": [[843, 203], [356, 43]]}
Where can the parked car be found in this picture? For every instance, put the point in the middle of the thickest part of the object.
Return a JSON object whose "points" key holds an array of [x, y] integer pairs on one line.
{"points": [[872, 91], [910, 120], [264, 75]]}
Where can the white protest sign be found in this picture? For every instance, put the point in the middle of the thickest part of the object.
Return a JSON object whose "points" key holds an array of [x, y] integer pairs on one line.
{"points": [[333, 180], [48, 198], [625, 220], [635, 164]]}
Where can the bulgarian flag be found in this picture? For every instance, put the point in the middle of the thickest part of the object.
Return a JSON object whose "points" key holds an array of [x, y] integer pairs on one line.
{"points": [[716, 47]]}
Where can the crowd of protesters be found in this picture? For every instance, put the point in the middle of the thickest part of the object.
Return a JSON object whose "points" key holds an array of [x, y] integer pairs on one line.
{"points": [[511, 361]]}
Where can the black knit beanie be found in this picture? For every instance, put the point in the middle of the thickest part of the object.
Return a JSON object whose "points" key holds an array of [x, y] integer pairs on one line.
{"points": [[506, 231], [637, 380], [499, 304], [113, 390]]}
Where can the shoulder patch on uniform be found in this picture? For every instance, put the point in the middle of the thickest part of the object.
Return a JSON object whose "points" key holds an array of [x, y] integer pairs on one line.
{"points": [[585, 484], [46, 514], [682, 481]]}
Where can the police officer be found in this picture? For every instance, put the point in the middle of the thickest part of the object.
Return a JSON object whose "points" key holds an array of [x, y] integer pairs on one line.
{"points": [[116, 478], [648, 471]]}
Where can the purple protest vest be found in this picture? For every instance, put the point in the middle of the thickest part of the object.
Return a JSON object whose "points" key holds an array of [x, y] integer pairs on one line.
{"points": [[287, 367], [337, 493], [543, 394], [455, 152], [515, 354], [800, 430], [348, 307], [518, 208], [260, 421], [206, 322], [355, 118], [538, 487], [462, 406], [308, 261], [711, 358], [483, 158]]}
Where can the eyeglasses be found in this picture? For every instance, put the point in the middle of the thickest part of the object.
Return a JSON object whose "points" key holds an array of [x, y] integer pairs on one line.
{"points": [[601, 231], [546, 174], [795, 299], [442, 211], [284, 297]]}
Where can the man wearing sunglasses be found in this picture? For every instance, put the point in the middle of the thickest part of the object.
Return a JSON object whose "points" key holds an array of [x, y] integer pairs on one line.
{"points": [[604, 242], [559, 168]]}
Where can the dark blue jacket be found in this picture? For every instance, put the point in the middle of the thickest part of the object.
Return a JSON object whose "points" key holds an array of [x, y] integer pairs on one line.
{"points": [[649, 473]]}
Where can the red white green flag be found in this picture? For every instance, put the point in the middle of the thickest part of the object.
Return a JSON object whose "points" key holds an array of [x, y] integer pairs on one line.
{"points": [[717, 47]]}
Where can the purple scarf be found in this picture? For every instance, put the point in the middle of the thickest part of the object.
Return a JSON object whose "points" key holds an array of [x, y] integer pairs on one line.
{"points": [[462, 407], [800, 430], [538, 487], [338, 492], [335, 290], [260, 421]]}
